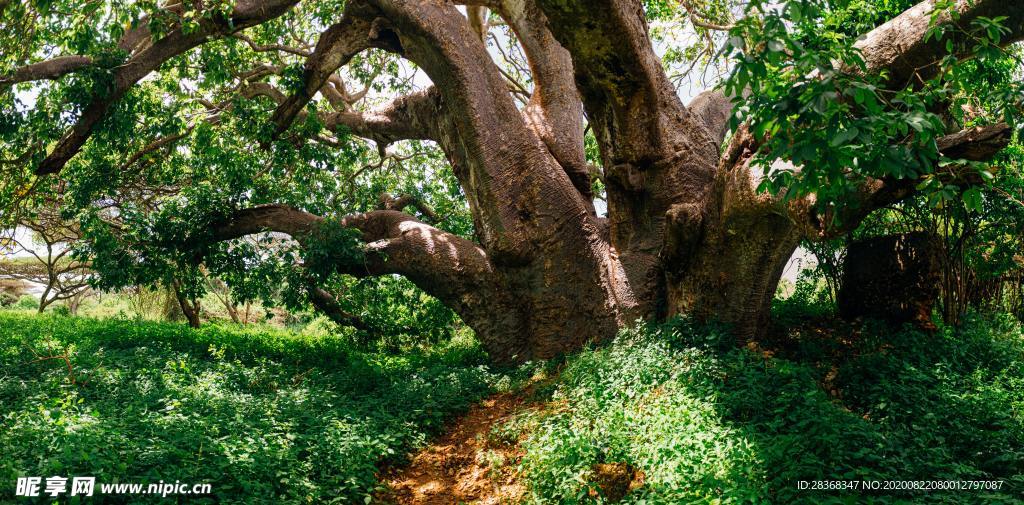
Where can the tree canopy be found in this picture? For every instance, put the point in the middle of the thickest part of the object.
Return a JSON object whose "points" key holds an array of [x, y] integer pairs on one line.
{"points": [[500, 154]]}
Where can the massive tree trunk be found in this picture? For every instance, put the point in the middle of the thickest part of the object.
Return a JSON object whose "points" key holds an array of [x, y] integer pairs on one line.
{"points": [[686, 232]]}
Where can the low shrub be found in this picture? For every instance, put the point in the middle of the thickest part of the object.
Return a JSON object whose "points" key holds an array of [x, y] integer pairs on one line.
{"points": [[27, 302], [263, 416], [699, 420]]}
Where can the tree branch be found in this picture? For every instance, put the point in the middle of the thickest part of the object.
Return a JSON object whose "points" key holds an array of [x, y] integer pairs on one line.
{"points": [[972, 144], [337, 45], [330, 307], [414, 116], [554, 110], [900, 47], [246, 13], [272, 47], [388, 202], [713, 109], [975, 144], [50, 69], [447, 266]]}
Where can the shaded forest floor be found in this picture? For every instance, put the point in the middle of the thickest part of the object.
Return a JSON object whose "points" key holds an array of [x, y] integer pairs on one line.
{"points": [[681, 414], [671, 413]]}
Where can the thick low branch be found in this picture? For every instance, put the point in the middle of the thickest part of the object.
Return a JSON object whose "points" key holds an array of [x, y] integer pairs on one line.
{"points": [[447, 266], [276, 218], [397, 243]]}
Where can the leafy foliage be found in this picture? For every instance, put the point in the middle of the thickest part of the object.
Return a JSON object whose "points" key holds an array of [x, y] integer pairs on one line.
{"points": [[264, 416], [805, 92], [706, 422], [190, 144]]}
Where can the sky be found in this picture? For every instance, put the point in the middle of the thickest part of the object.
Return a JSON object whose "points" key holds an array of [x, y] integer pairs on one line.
{"points": [[22, 236]]}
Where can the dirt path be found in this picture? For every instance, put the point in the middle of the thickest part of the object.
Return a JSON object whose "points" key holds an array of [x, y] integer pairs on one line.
{"points": [[461, 466]]}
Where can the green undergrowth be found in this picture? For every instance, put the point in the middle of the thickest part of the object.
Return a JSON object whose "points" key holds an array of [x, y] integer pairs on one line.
{"points": [[693, 418], [263, 416]]}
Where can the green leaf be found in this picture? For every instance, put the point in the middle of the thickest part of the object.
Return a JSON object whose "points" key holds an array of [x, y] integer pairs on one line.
{"points": [[973, 199], [845, 136]]}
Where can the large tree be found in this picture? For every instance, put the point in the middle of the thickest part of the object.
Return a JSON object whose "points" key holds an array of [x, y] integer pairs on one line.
{"points": [[701, 215]]}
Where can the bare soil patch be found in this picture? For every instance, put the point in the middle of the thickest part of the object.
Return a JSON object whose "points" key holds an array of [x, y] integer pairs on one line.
{"points": [[463, 465]]}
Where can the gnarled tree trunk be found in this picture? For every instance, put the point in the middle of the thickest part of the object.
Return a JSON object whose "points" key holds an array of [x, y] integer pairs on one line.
{"points": [[190, 307], [686, 232]]}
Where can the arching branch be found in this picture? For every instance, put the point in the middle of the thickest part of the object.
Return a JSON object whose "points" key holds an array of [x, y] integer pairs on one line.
{"points": [[337, 45], [397, 243], [512, 183], [245, 14], [449, 267]]}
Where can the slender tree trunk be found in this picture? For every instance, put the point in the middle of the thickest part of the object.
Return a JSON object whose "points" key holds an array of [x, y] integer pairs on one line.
{"points": [[190, 308], [232, 310], [44, 299]]}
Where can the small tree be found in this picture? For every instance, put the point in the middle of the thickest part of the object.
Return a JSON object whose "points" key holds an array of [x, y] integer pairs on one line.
{"points": [[238, 311], [65, 278]]}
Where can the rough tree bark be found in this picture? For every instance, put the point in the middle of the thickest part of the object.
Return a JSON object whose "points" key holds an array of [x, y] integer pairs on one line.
{"points": [[686, 232]]}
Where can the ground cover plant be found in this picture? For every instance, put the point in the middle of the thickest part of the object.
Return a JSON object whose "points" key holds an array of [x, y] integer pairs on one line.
{"points": [[689, 417], [264, 416]]}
